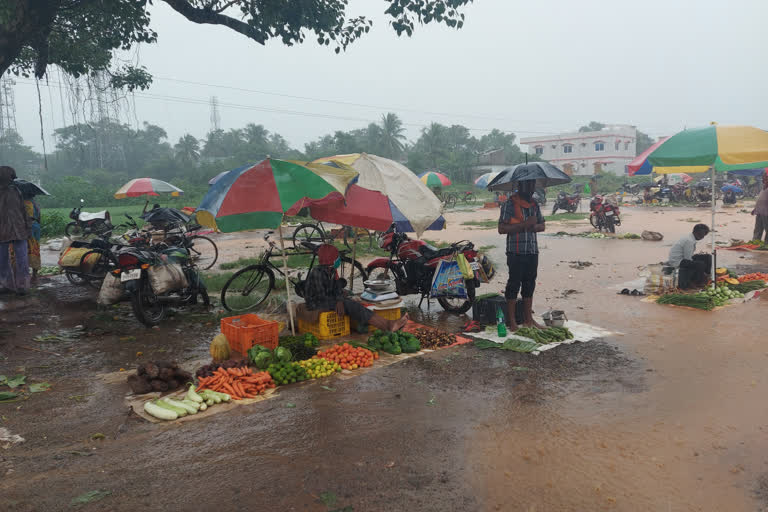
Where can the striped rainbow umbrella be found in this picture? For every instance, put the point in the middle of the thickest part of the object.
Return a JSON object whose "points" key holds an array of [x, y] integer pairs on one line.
{"points": [[434, 179], [147, 187], [485, 179], [258, 196]]}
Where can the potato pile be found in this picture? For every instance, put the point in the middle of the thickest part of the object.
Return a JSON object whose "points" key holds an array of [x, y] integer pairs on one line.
{"points": [[158, 376]]}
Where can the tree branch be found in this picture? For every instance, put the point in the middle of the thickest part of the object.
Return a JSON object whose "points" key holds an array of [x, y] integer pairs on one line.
{"points": [[209, 17]]}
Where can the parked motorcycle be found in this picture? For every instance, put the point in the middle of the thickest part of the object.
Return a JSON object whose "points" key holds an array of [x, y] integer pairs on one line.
{"points": [[603, 215], [158, 278], [413, 264], [85, 223], [540, 196], [569, 203]]}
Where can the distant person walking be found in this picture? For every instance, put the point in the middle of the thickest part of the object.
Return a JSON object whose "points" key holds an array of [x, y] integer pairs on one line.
{"points": [[15, 229], [33, 242], [761, 213]]}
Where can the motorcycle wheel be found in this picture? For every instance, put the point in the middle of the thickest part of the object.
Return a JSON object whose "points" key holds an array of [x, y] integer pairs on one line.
{"points": [[554, 209], [147, 309], [73, 230], [594, 222], [609, 225], [572, 209], [459, 306], [75, 279]]}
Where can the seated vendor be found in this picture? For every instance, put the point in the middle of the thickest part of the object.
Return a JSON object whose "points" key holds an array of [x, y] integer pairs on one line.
{"points": [[324, 291], [694, 269]]}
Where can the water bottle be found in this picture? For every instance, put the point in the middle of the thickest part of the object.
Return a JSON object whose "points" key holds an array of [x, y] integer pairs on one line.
{"points": [[501, 327]]}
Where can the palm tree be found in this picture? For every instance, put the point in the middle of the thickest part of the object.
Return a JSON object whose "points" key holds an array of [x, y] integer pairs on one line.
{"points": [[187, 149], [433, 142], [256, 135], [392, 135]]}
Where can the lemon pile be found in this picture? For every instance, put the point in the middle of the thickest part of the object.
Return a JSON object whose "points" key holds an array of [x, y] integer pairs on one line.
{"points": [[319, 367]]}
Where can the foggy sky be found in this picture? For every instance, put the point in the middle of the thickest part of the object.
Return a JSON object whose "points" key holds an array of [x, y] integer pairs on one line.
{"points": [[531, 67]]}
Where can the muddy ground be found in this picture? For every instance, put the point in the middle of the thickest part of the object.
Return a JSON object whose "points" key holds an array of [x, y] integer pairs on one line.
{"points": [[669, 414]]}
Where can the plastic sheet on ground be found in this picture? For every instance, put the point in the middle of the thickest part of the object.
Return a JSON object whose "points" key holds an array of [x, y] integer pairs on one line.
{"points": [[581, 333]]}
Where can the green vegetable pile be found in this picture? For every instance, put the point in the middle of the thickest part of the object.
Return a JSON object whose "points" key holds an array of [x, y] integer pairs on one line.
{"points": [[287, 372], [722, 293], [544, 336], [696, 300], [302, 347], [394, 342], [747, 286], [262, 357]]}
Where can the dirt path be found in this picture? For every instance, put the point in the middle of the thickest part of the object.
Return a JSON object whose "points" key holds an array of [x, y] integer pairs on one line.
{"points": [[669, 415]]}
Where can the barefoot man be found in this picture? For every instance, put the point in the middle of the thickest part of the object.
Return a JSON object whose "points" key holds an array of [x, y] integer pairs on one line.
{"points": [[520, 220]]}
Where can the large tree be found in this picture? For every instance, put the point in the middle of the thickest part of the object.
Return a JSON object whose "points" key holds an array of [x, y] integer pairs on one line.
{"points": [[392, 135], [82, 36]]}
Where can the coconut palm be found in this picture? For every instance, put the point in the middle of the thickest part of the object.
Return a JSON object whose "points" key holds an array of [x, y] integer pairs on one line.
{"points": [[187, 149], [256, 135], [392, 135]]}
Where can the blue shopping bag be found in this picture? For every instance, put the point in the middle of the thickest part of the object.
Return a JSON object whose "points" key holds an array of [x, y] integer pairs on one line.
{"points": [[448, 281]]}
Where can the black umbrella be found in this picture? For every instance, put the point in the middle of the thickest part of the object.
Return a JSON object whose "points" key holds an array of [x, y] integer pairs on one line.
{"points": [[165, 216], [546, 175], [29, 189]]}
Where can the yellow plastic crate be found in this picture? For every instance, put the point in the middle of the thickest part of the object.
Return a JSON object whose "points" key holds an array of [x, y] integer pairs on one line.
{"points": [[387, 314], [328, 326]]}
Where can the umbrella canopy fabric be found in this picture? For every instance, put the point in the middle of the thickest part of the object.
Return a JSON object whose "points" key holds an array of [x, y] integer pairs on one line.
{"points": [[485, 179], [751, 172], [724, 148], [640, 165], [545, 175], [434, 179], [217, 177], [257, 196], [29, 189], [413, 207], [147, 187]]}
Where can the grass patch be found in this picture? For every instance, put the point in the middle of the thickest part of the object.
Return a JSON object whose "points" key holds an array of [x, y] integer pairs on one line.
{"points": [[566, 216], [214, 282], [482, 224]]}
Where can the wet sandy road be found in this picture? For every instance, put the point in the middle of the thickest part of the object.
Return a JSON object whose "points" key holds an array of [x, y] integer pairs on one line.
{"points": [[669, 415]]}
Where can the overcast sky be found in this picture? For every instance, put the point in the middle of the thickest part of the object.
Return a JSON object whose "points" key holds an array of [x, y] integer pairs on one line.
{"points": [[531, 67]]}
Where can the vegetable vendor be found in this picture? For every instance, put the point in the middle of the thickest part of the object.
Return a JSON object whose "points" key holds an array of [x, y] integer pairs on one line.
{"points": [[520, 220], [761, 213], [694, 269], [324, 291]]}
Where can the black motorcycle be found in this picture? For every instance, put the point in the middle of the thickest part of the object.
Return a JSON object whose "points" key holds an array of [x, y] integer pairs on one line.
{"points": [[158, 278], [569, 203], [85, 223]]}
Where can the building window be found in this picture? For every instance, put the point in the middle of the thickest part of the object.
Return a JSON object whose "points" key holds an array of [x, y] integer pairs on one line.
{"points": [[567, 148], [626, 146], [616, 146], [539, 150], [599, 146]]}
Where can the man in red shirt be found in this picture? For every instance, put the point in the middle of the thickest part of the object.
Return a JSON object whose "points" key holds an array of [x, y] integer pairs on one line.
{"points": [[520, 220]]}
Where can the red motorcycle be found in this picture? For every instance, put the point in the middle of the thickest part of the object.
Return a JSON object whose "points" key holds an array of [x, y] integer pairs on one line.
{"points": [[603, 215], [413, 264]]}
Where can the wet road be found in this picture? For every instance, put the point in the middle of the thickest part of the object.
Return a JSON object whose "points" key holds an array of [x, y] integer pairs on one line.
{"points": [[669, 415]]}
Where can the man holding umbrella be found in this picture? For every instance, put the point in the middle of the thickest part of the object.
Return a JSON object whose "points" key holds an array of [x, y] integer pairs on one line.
{"points": [[520, 220]]}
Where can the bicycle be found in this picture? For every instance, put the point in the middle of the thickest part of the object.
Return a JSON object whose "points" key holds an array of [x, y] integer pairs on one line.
{"points": [[203, 250], [249, 287], [468, 197], [317, 233]]}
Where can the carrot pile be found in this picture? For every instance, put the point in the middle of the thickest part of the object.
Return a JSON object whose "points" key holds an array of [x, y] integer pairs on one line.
{"points": [[756, 276], [348, 357], [238, 383]]}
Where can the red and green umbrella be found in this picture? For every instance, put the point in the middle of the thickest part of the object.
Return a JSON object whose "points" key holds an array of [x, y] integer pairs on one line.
{"points": [[434, 179], [258, 196], [147, 187]]}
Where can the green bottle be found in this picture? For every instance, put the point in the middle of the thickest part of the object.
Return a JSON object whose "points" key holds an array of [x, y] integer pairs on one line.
{"points": [[501, 327]]}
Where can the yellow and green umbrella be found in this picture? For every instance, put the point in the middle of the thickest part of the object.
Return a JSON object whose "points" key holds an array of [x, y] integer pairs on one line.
{"points": [[715, 147]]}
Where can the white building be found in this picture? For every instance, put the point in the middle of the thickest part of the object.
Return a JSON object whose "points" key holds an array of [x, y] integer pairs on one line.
{"points": [[586, 153]]}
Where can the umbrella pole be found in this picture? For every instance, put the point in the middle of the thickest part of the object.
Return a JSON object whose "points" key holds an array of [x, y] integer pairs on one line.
{"points": [[712, 275], [352, 272], [287, 283]]}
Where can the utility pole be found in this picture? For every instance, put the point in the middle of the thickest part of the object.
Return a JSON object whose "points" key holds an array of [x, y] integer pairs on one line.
{"points": [[215, 116]]}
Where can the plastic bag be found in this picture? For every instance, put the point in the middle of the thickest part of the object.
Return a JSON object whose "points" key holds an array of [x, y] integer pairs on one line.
{"points": [[167, 278], [71, 257], [448, 281], [466, 269], [111, 291]]}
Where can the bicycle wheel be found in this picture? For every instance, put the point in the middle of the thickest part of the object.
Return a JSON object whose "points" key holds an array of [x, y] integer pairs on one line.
{"points": [[348, 266], [450, 201], [469, 198], [247, 288], [364, 238], [203, 251], [307, 233]]}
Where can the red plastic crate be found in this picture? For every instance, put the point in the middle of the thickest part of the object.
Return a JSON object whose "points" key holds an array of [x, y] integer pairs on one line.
{"points": [[245, 331]]}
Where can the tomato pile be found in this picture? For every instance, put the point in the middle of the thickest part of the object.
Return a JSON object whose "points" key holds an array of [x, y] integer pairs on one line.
{"points": [[348, 357]]}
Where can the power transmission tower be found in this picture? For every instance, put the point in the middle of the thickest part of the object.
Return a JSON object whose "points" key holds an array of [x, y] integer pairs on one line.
{"points": [[7, 107], [215, 116]]}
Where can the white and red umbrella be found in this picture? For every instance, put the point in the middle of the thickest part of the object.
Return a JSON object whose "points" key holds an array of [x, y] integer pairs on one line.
{"points": [[147, 187]]}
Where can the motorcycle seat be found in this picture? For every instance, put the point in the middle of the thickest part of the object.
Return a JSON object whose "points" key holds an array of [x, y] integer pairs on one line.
{"points": [[86, 216], [430, 252]]}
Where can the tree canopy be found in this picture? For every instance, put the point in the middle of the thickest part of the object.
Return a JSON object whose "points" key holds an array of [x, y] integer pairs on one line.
{"points": [[83, 36]]}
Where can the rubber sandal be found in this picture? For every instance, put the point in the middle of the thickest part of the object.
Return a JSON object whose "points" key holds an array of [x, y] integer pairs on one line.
{"points": [[634, 293], [625, 291]]}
